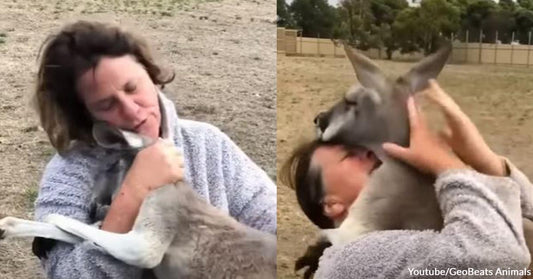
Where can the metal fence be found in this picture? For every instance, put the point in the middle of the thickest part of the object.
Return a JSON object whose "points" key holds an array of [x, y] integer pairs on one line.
{"points": [[478, 47], [468, 47]]}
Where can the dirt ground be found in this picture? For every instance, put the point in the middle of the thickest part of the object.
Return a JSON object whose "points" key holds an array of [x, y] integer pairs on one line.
{"points": [[499, 99], [223, 54]]}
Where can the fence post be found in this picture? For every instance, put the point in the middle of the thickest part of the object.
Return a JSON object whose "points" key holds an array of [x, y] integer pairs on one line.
{"points": [[287, 41], [453, 47], [512, 47], [318, 44], [452, 38], [496, 47], [480, 46], [528, 47], [466, 47], [334, 50], [301, 42]]}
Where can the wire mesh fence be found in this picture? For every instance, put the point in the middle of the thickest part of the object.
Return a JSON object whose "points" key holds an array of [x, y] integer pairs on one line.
{"points": [[469, 46]]}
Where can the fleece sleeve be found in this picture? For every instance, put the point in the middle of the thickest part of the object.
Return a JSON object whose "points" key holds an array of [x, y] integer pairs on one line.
{"points": [[526, 189], [251, 193], [482, 234]]}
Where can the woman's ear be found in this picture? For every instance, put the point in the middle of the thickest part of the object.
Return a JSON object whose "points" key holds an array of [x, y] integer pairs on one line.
{"points": [[333, 208]]}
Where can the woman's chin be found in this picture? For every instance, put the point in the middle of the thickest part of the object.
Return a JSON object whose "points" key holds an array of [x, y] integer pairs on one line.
{"points": [[151, 134], [148, 131]]}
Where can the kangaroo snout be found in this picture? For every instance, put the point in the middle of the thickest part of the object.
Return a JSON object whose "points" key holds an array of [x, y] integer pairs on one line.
{"points": [[321, 123]]}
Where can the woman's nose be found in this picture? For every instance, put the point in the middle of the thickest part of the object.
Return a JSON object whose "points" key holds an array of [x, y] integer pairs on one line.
{"points": [[130, 108]]}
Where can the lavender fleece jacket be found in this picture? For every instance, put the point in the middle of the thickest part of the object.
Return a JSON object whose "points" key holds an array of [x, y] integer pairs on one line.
{"points": [[483, 232], [214, 166]]}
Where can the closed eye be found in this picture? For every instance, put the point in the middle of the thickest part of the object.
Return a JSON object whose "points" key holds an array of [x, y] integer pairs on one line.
{"points": [[130, 87], [105, 105], [349, 153], [350, 102]]}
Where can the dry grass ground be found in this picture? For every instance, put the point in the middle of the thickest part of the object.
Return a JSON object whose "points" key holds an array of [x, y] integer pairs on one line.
{"points": [[499, 99], [223, 54]]}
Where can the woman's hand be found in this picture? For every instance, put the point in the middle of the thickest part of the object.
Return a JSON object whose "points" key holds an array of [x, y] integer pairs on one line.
{"points": [[463, 136], [426, 152], [155, 166]]}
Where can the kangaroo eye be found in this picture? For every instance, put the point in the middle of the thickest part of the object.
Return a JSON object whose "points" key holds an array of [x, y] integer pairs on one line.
{"points": [[350, 102]]}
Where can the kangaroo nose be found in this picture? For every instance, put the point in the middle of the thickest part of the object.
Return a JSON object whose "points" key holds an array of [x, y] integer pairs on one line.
{"points": [[321, 121], [318, 119]]}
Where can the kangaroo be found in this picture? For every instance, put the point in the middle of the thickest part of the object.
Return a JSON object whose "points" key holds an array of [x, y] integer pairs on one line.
{"points": [[371, 113], [177, 233]]}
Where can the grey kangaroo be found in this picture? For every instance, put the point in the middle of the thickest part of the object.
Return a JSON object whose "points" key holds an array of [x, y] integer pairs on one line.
{"points": [[176, 233], [371, 113]]}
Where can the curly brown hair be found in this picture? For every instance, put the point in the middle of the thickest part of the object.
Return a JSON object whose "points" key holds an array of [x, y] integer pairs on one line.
{"points": [[77, 48]]}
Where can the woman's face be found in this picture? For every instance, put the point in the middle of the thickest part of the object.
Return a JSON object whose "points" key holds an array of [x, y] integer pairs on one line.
{"points": [[120, 92], [344, 173]]}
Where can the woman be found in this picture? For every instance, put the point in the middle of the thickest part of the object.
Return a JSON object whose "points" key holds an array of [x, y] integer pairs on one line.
{"points": [[95, 72], [482, 210]]}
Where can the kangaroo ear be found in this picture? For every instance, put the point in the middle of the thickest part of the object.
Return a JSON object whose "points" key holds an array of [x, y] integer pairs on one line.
{"points": [[368, 73], [114, 138], [428, 68]]}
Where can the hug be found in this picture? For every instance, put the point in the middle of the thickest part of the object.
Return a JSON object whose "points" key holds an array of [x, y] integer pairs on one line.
{"points": [[396, 200]]}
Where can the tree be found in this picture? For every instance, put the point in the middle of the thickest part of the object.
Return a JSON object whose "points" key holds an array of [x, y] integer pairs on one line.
{"points": [[526, 4], [385, 13], [355, 20], [524, 24], [408, 28], [368, 23], [478, 11], [389, 39], [507, 5], [462, 5], [504, 20], [316, 18], [284, 17], [423, 28], [501, 21]]}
